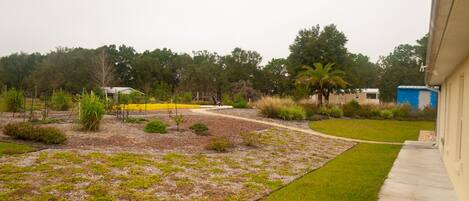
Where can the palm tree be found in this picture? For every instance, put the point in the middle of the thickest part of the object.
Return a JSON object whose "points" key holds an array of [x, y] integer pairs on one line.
{"points": [[322, 78]]}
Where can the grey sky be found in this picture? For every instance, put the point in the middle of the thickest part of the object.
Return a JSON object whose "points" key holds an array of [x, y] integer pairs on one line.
{"points": [[373, 27]]}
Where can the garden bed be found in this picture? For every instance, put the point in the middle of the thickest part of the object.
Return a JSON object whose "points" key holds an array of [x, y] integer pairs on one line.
{"points": [[242, 173]]}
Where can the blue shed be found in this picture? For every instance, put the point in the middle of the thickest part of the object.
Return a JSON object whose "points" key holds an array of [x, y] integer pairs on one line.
{"points": [[417, 96]]}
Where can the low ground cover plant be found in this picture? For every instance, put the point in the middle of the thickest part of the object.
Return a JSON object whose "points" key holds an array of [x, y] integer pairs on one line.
{"points": [[10, 148], [156, 126], [91, 112], [283, 108], [220, 144], [199, 129], [135, 120], [28, 131]]}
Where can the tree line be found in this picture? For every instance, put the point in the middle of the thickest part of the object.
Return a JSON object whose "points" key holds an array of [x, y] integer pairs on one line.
{"points": [[161, 73]]}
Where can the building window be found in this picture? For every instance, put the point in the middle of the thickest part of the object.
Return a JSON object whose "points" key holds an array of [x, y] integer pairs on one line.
{"points": [[370, 96]]}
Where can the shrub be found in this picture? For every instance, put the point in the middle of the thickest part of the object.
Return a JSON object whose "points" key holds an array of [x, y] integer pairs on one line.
{"points": [[291, 113], [91, 112], [226, 100], [367, 111], [402, 111], [336, 112], [239, 101], [13, 100], [386, 114], [27, 131], [333, 111], [60, 100], [155, 126], [351, 109], [323, 110], [311, 108], [199, 129], [250, 139], [220, 144]]}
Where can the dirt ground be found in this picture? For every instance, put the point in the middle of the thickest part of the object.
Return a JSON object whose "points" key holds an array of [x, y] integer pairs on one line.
{"points": [[117, 135]]}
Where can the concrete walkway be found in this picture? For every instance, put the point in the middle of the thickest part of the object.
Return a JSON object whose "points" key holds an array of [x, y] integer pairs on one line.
{"points": [[309, 131], [418, 174]]}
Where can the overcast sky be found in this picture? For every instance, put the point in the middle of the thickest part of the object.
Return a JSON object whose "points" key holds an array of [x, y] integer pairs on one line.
{"points": [[373, 27]]}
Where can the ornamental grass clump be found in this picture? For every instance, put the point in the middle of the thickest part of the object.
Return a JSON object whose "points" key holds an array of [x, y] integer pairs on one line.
{"points": [[220, 144], [282, 108], [91, 112], [60, 101], [12, 100]]}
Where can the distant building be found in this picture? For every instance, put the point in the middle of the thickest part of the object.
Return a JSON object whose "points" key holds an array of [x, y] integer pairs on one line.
{"points": [[417, 96], [362, 96], [114, 91]]}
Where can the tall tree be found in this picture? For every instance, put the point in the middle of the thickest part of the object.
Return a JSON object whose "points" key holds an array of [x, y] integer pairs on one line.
{"points": [[103, 70], [15, 68], [322, 79], [318, 46], [361, 73], [401, 67], [276, 78]]}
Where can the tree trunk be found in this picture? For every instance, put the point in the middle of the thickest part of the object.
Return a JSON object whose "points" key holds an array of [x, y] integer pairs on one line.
{"points": [[320, 96]]}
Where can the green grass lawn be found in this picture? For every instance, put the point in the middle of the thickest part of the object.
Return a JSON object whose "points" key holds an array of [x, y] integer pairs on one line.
{"points": [[356, 174], [10, 148], [376, 130]]}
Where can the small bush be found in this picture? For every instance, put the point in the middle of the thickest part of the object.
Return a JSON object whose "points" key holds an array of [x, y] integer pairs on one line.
{"points": [[60, 101], [311, 108], [226, 99], [91, 112], [220, 144], [13, 100], [333, 111], [402, 111], [367, 111], [27, 131], [386, 114], [251, 139], [155, 126], [239, 101], [351, 109], [199, 129], [291, 113], [336, 112]]}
